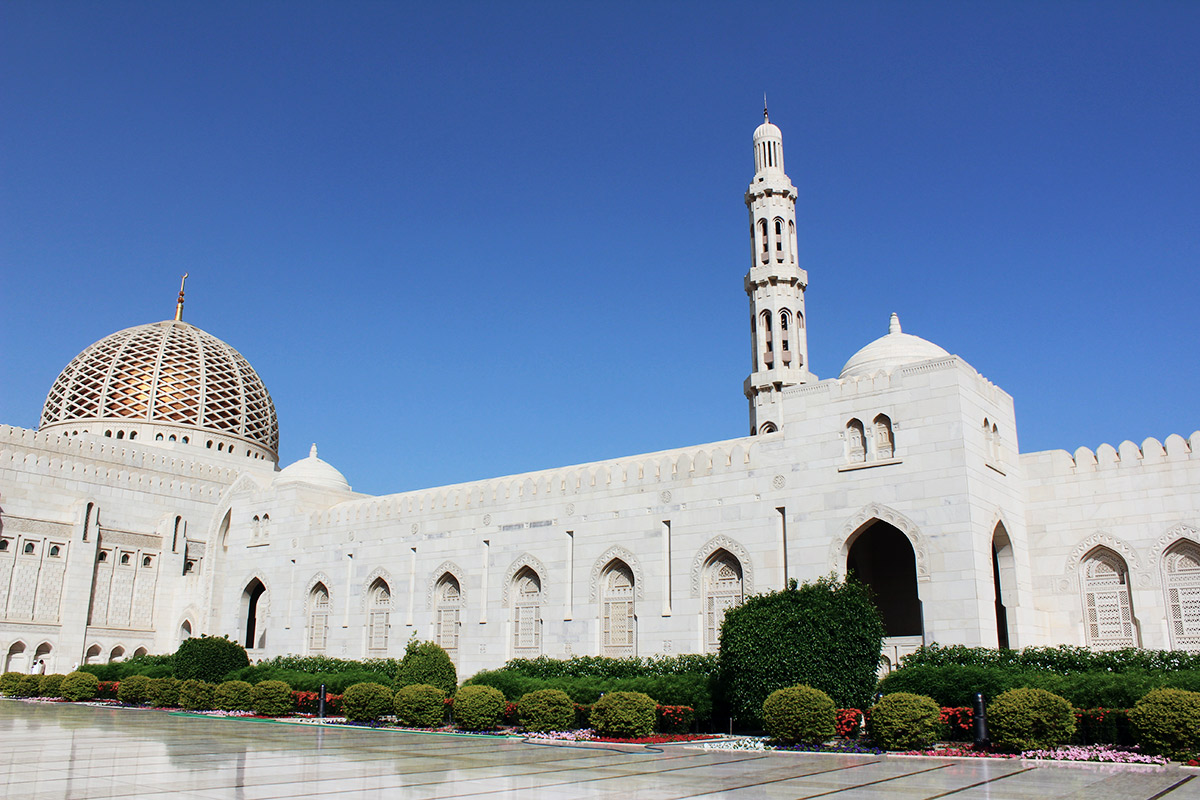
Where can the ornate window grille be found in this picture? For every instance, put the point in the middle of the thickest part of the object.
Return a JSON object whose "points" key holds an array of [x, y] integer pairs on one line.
{"points": [[885, 446], [527, 615], [449, 608], [1182, 566], [722, 591], [380, 614], [318, 618], [618, 624], [856, 442], [1108, 607]]}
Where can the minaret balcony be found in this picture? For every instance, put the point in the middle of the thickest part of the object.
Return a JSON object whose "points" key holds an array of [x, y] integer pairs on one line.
{"points": [[766, 380], [774, 274]]}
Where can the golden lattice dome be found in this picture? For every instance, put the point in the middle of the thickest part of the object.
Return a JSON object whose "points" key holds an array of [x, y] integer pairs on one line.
{"points": [[170, 381]]}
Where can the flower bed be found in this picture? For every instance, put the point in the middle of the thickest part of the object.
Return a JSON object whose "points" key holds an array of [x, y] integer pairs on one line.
{"points": [[1101, 752]]}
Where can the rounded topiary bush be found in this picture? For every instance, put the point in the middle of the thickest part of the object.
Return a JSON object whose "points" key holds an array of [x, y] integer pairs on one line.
{"points": [[79, 686], [50, 685], [1030, 719], [478, 707], [826, 634], [546, 710], [134, 690], [420, 706], [626, 715], [233, 696], [271, 699], [9, 682], [367, 702], [208, 658], [195, 695], [426, 663], [27, 686], [1167, 721], [799, 714], [904, 721], [163, 693]]}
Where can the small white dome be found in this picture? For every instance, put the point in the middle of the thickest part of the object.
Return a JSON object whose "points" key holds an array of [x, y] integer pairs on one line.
{"points": [[891, 351], [314, 472], [767, 130]]}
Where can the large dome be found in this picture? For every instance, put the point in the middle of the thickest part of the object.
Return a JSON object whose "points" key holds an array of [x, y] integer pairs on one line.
{"points": [[169, 380], [888, 352]]}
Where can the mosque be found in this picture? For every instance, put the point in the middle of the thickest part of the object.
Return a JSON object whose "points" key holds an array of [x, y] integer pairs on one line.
{"points": [[149, 507]]}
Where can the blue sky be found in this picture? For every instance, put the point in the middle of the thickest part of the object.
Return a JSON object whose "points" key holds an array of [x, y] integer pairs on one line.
{"points": [[461, 240]]}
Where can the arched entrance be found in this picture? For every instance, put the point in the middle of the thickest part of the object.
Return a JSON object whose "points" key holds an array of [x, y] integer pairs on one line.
{"points": [[1003, 577], [883, 558], [250, 597]]}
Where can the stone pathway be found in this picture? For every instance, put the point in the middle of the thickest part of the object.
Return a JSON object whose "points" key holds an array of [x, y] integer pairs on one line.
{"points": [[67, 751]]}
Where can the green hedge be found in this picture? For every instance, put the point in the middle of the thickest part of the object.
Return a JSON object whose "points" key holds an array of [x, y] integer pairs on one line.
{"points": [[150, 666], [602, 667], [827, 634], [686, 689], [1063, 659], [956, 684], [335, 682]]}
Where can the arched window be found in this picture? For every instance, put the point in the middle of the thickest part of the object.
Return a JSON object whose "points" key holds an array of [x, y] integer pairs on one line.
{"points": [[132, 435], [318, 618], [527, 614], [448, 596], [779, 240], [996, 451], [92, 656], [1107, 604], [379, 596], [102, 556], [768, 427], [617, 624], [29, 549], [766, 244], [251, 600], [722, 591], [185, 630], [3, 545], [1182, 567], [55, 551], [856, 442], [116, 654], [884, 443], [141, 651], [120, 434], [785, 344], [768, 344], [792, 239], [15, 660]]}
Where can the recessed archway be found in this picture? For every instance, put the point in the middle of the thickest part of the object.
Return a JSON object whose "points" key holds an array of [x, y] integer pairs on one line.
{"points": [[882, 557], [250, 602]]}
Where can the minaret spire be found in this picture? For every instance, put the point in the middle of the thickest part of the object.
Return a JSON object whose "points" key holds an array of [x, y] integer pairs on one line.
{"points": [[775, 285], [179, 302]]}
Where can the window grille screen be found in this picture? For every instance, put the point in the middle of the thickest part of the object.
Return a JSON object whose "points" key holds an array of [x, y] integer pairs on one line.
{"points": [[1107, 604], [1183, 596]]}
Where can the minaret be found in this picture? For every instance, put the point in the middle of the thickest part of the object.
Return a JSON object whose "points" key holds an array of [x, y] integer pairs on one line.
{"points": [[775, 284]]}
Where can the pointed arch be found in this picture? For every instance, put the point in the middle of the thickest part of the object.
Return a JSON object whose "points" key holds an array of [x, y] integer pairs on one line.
{"points": [[1181, 582], [883, 444], [254, 608], [448, 605], [528, 592], [1108, 614], [617, 609], [379, 573], [317, 606], [631, 561], [317, 578], [378, 598], [839, 549], [856, 441], [705, 553], [522, 561], [724, 588], [435, 577], [1004, 581], [1101, 539]]}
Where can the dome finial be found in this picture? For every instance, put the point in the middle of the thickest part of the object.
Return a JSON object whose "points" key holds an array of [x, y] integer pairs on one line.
{"points": [[179, 302], [312, 451], [766, 117], [894, 323]]}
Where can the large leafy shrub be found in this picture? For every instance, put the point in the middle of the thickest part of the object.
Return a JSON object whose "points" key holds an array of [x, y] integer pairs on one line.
{"points": [[826, 634], [79, 686], [50, 685], [623, 714], [426, 663], [904, 721], [1167, 721], [478, 708], [367, 702], [163, 692], [209, 658], [195, 695], [799, 714], [233, 696], [271, 699], [27, 686], [134, 690], [420, 705], [546, 710], [9, 682], [1030, 719]]}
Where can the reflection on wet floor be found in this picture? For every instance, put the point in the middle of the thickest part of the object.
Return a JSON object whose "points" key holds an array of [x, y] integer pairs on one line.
{"points": [[69, 751]]}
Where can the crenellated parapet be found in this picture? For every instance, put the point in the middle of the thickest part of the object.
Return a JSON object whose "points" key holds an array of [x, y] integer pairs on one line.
{"points": [[1126, 455], [120, 464], [648, 470]]}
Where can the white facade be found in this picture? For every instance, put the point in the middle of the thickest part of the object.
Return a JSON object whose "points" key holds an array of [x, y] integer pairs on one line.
{"points": [[905, 468]]}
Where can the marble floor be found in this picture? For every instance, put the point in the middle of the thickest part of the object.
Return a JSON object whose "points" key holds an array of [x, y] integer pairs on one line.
{"points": [[66, 751]]}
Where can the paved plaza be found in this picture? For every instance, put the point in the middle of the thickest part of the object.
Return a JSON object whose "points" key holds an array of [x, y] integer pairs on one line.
{"points": [[67, 751]]}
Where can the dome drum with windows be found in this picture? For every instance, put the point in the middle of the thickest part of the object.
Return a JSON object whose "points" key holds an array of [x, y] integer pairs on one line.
{"points": [[165, 382]]}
